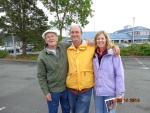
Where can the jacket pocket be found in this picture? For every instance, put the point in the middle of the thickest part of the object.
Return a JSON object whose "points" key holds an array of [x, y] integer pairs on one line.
{"points": [[71, 81], [87, 79]]}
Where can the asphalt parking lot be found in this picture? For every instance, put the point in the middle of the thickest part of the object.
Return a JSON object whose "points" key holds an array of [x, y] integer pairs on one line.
{"points": [[20, 92]]}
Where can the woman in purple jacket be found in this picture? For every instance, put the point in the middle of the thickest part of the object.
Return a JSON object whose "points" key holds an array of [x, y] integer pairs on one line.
{"points": [[109, 73]]}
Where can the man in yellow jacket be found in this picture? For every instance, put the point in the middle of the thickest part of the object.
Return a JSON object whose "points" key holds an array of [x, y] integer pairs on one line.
{"points": [[80, 79]]}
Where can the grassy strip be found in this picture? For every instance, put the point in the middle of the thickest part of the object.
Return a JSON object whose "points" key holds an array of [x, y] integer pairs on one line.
{"points": [[23, 57]]}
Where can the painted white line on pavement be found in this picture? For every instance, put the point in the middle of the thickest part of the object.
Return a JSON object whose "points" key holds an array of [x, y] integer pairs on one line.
{"points": [[141, 64], [139, 61], [2, 108], [145, 68]]}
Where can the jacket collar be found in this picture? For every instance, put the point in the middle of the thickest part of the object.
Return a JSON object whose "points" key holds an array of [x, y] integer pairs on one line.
{"points": [[82, 47], [109, 52], [49, 52]]}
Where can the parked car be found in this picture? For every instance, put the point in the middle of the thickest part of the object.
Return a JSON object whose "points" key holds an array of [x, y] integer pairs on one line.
{"points": [[136, 43], [30, 45], [10, 49], [123, 44], [2, 48], [28, 48]]}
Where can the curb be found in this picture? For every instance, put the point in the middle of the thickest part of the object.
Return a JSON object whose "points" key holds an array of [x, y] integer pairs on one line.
{"points": [[135, 56], [15, 60]]}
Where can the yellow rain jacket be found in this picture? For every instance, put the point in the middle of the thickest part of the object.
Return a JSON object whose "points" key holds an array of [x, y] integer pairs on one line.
{"points": [[80, 75]]}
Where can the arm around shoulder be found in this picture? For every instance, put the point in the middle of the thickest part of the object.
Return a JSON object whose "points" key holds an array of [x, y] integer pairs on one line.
{"points": [[67, 44], [116, 49]]}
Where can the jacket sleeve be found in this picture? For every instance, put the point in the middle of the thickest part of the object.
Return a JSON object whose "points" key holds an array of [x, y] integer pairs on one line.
{"points": [[119, 74], [41, 75], [66, 44]]}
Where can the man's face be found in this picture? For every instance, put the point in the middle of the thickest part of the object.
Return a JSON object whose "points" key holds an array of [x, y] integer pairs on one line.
{"points": [[51, 39], [75, 34]]}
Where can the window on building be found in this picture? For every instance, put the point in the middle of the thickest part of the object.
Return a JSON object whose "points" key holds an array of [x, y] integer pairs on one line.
{"points": [[145, 32], [138, 32]]}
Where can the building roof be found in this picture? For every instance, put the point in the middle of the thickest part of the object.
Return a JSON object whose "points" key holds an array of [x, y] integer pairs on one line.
{"points": [[88, 34], [118, 35], [91, 35], [128, 30]]}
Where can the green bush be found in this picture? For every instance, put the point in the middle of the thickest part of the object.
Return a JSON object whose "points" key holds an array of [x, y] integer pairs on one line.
{"points": [[3, 53], [136, 50], [124, 51]]}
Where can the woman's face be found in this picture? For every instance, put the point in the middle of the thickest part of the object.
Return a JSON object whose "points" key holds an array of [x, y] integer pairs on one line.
{"points": [[101, 41]]}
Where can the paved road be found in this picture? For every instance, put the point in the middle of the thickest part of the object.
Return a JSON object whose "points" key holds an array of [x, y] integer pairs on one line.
{"points": [[20, 92]]}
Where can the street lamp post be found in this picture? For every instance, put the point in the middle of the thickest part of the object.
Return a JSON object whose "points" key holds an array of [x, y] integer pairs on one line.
{"points": [[133, 29]]}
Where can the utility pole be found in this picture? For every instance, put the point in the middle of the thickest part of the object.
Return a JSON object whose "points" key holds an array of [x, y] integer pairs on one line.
{"points": [[133, 29], [94, 25]]}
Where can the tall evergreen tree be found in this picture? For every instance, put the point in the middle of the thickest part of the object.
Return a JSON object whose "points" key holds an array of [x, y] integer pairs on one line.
{"points": [[22, 19]]}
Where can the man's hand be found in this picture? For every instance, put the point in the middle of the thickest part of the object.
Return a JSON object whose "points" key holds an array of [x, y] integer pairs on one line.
{"points": [[48, 97], [89, 42], [116, 50]]}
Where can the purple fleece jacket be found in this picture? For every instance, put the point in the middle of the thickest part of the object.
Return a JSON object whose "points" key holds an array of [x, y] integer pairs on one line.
{"points": [[109, 75]]}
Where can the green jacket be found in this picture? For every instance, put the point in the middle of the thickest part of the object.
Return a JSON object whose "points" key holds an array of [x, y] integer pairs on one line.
{"points": [[52, 69]]}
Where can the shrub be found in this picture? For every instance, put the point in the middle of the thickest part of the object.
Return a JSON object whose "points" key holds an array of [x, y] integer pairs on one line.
{"points": [[124, 51], [3, 53], [136, 50]]}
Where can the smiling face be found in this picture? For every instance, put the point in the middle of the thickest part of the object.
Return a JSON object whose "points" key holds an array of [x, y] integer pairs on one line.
{"points": [[75, 33], [51, 39], [101, 41]]}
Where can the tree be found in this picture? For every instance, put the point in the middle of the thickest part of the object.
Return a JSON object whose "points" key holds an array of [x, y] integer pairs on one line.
{"points": [[1, 42], [22, 19], [67, 12]]}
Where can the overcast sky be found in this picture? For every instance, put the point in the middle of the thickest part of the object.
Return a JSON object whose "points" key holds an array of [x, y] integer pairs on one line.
{"points": [[113, 15]]}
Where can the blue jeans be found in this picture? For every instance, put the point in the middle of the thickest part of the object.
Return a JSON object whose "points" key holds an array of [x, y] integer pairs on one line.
{"points": [[100, 106], [79, 103], [56, 97]]}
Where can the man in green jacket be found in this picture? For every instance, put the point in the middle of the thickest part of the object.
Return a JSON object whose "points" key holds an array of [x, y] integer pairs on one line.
{"points": [[52, 68]]}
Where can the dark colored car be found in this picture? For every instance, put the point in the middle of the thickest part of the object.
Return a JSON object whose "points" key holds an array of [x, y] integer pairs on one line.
{"points": [[29, 48], [10, 49]]}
